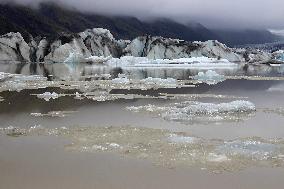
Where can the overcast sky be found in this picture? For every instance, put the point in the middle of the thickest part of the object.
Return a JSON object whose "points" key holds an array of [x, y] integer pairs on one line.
{"points": [[212, 13]]}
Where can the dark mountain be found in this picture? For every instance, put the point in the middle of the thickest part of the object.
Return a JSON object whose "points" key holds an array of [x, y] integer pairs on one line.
{"points": [[50, 20], [242, 37]]}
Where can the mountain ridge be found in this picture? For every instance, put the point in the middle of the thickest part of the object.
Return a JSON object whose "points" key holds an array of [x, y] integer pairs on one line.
{"points": [[51, 20]]}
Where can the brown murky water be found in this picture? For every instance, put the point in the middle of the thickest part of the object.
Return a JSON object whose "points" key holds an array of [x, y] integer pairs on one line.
{"points": [[95, 144]]}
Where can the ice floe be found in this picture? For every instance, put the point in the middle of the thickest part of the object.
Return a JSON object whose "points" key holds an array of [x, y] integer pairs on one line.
{"points": [[53, 114], [197, 96], [18, 82], [47, 96], [175, 138], [191, 112], [159, 81]]}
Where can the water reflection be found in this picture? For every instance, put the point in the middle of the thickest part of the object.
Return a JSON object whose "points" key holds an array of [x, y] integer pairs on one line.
{"points": [[64, 71]]}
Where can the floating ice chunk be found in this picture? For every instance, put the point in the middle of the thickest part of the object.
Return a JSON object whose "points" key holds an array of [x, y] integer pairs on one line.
{"points": [[53, 114], [48, 95], [192, 112], [210, 77], [159, 81], [114, 145], [217, 158], [122, 79], [3, 76], [36, 114], [18, 82], [238, 106], [99, 147], [182, 139]]}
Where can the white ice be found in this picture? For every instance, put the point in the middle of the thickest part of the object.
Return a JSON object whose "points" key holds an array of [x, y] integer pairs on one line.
{"points": [[159, 81], [210, 77], [122, 79], [182, 139], [47, 96], [192, 111], [203, 62]]}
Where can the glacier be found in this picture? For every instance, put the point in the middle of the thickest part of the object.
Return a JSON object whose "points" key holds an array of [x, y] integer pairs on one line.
{"points": [[96, 52], [99, 42]]}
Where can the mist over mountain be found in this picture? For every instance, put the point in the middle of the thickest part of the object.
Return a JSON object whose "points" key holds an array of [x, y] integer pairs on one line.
{"points": [[50, 20], [216, 14], [247, 36]]}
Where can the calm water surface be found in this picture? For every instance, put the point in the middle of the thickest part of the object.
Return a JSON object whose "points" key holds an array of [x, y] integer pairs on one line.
{"points": [[42, 162]]}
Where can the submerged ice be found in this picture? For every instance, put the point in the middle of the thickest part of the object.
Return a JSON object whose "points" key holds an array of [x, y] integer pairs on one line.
{"points": [[256, 149], [166, 148]]}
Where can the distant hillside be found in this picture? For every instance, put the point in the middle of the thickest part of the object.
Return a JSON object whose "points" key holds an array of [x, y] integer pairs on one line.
{"points": [[242, 37], [51, 20]]}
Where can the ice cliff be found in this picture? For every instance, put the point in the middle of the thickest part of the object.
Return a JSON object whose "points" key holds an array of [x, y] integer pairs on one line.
{"points": [[100, 42]]}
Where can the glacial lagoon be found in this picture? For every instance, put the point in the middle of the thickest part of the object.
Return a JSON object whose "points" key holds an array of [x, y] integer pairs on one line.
{"points": [[137, 127]]}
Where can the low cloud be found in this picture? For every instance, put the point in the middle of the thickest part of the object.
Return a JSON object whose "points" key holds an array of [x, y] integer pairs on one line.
{"points": [[212, 13]]}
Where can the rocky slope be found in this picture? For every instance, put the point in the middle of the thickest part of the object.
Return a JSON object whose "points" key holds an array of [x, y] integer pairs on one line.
{"points": [[100, 42]]}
